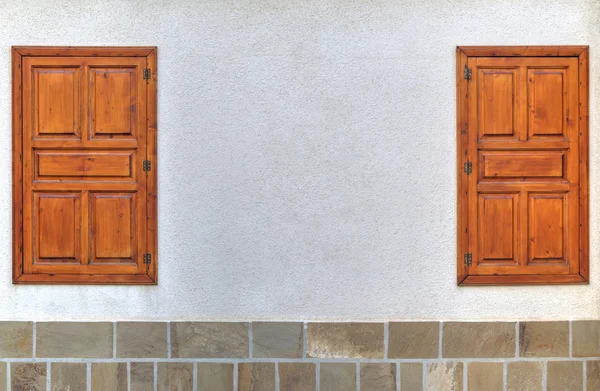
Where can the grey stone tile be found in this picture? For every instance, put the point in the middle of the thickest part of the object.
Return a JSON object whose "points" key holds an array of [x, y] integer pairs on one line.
{"points": [[74, 340], [109, 376], [586, 338], [345, 340], [16, 339], [215, 377], [377, 377], [256, 377], [414, 339], [565, 376], [338, 377], [446, 376], [175, 376], [544, 339], [28, 376], [485, 376], [142, 376], [68, 376], [411, 376], [297, 376], [277, 340], [142, 340], [524, 376], [209, 340], [478, 340]]}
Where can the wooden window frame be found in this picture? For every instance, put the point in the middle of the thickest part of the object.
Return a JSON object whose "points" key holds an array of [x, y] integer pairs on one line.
{"points": [[462, 126], [18, 52]]}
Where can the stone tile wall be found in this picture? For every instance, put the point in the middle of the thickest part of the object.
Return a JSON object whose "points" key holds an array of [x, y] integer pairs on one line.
{"points": [[257, 356]]}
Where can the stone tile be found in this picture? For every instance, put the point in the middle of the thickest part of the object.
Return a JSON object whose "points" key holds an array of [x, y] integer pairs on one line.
{"points": [[16, 339], [142, 340], [109, 376], [524, 376], [586, 338], [411, 376], [485, 376], [256, 377], [276, 340], [3, 375], [28, 376], [142, 376], [478, 340], [215, 377], [74, 339], [414, 339], [447, 376], [338, 377], [378, 377], [565, 375], [593, 375], [175, 376], [209, 340], [544, 339], [68, 376], [297, 376], [345, 340]]}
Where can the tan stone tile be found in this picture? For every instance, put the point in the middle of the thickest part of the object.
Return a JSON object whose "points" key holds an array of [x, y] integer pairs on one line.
{"points": [[544, 339], [586, 338], [478, 340], [142, 339], [68, 376], [142, 376], [209, 340], [16, 339], [524, 376], [28, 376], [215, 377], [411, 376], [277, 340], [256, 377], [593, 375], [175, 376], [446, 376], [297, 376], [338, 377], [345, 340], [377, 377], [414, 339], [74, 339], [3, 376], [109, 376], [565, 375], [488, 376]]}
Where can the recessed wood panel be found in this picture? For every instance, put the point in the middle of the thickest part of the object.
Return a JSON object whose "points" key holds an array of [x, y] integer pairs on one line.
{"points": [[547, 100], [496, 102], [547, 217], [113, 98], [57, 227], [497, 227], [113, 232], [82, 164], [57, 107], [517, 164]]}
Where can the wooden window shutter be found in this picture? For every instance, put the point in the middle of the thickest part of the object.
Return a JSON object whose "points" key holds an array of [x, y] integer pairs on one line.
{"points": [[522, 137], [84, 165]]}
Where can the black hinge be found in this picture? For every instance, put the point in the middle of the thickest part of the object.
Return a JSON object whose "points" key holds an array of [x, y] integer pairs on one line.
{"points": [[468, 259], [468, 168], [147, 165], [147, 74], [147, 259], [468, 73]]}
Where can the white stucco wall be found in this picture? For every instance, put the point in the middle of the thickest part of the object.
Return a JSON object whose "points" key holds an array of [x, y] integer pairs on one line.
{"points": [[306, 156]]}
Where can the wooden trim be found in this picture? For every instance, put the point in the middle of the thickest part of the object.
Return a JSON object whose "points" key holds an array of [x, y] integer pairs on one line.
{"points": [[152, 179], [523, 51], [584, 183], [96, 279], [17, 165], [522, 279], [462, 122], [84, 51]]}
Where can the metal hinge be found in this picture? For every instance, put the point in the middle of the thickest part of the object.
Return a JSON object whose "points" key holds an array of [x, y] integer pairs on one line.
{"points": [[147, 74], [468, 168], [468, 73], [147, 259], [468, 259], [147, 165]]}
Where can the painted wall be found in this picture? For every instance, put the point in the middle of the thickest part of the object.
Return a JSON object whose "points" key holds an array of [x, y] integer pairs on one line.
{"points": [[306, 156]]}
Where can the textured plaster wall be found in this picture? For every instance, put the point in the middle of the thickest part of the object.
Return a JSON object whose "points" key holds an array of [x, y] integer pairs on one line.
{"points": [[307, 156]]}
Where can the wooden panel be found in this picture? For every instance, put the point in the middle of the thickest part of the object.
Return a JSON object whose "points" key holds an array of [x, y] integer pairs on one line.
{"points": [[82, 164], [113, 99], [547, 101], [57, 227], [57, 105], [547, 228], [515, 164], [496, 102], [497, 227], [113, 227]]}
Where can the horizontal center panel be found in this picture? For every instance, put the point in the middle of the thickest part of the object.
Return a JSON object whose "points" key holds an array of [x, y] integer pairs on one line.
{"points": [[522, 165], [85, 165], [521, 145]]}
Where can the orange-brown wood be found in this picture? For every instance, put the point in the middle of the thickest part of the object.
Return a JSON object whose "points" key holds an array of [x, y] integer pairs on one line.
{"points": [[78, 156], [526, 137]]}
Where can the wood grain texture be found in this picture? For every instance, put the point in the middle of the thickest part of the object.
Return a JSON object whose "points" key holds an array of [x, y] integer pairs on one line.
{"points": [[80, 194], [526, 203]]}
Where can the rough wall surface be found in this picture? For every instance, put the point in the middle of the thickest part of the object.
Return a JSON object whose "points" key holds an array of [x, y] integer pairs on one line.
{"points": [[306, 156]]}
